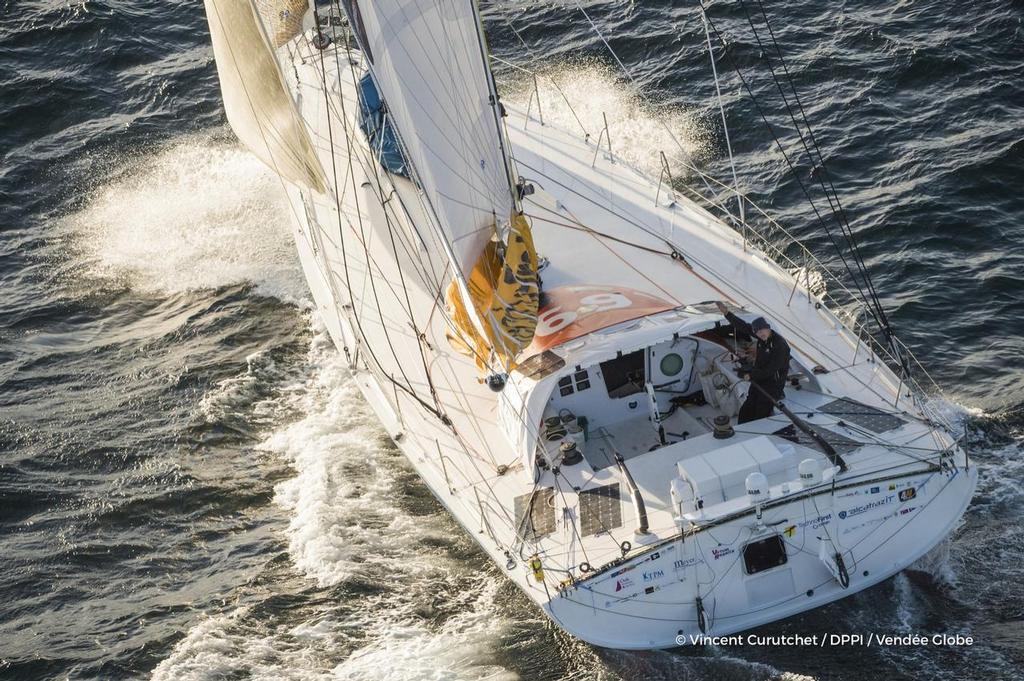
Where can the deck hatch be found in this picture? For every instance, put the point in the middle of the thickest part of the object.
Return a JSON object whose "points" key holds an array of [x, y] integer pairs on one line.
{"points": [[764, 554], [600, 509], [541, 520], [875, 420]]}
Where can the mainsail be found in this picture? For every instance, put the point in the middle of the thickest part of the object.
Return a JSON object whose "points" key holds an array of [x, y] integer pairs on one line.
{"points": [[259, 107], [428, 59]]}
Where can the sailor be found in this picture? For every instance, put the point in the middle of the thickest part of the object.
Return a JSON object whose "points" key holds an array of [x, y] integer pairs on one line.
{"points": [[769, 370]]}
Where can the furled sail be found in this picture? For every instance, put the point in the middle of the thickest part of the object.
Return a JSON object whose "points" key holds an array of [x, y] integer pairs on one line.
{"points": [[428, 60], [256, 98]]}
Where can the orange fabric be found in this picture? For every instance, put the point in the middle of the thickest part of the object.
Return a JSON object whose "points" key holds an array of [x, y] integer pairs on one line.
{"points": [[505, 293]]}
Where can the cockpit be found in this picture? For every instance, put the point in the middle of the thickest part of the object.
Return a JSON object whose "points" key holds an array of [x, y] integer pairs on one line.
{"points": [[650, 393]]}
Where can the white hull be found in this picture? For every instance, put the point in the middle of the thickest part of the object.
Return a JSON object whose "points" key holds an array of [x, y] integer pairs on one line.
{"points": [[374, 281]]}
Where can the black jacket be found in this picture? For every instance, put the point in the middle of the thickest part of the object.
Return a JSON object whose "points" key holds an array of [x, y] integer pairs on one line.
{"points": [[771, 367]]}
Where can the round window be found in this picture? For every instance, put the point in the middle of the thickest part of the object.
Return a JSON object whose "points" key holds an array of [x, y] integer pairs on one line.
{"points": [[671, 364]]}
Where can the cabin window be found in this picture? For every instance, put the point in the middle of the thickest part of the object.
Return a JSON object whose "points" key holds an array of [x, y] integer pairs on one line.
{"points": [[581, 379], [765, 554], [624, 375]]}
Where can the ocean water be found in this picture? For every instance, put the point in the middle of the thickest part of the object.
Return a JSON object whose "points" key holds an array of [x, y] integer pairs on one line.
{"points": [[191, 486]]}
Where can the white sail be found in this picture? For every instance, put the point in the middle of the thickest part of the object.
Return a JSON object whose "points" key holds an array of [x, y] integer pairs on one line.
{"points": [[258, 104], [428, 61]]}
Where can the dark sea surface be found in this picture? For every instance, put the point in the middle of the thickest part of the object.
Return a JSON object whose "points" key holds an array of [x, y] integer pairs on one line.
{"points": [[191, 486]]}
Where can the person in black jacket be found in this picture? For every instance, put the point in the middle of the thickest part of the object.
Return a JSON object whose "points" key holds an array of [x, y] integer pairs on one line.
{"points": [[770, 368]]}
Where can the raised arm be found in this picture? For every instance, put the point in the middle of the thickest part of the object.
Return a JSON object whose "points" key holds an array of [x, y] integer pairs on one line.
{"points": [[737, 323]]}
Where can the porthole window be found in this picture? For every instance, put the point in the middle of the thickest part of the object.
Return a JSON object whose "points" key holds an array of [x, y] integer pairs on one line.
{"points": [[671, 364]]}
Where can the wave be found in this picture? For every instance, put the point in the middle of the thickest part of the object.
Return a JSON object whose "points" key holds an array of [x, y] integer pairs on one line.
{"points": [[199, 213]]}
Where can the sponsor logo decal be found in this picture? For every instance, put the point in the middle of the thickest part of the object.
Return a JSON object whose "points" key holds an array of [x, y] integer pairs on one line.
{"points": [[684, 563], [864, 508], [653, 575], [815, 523], [789, 531], [876, 490], [622, 571], [623, 583], [722, 551], [908, 493]]}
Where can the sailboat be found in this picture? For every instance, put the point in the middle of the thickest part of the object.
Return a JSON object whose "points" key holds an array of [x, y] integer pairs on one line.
{"points": [[538, 327]]}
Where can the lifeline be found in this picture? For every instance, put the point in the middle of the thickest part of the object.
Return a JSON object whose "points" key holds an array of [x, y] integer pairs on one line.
{"points": [[755, 640]]}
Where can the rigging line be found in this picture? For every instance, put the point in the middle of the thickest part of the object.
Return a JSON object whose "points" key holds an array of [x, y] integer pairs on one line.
{"points": [[632, 80], [800, 107], [455, 388], [686, 258], [371, 260], [495, 107], [520, 540], [348, 283], [455, 103], [797, 333], [426, 271], [810, 258], [435, 87], [373, 286], [630, 265], [580, 227], [700, 174], [600, 520], [430, 210], [725, 125], [785, 156], [898, 449], [401, 275], [835, 206], [468, 101], [412, 320], [360, 222]]}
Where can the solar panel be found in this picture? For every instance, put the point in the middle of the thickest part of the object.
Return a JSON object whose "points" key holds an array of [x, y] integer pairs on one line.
{"points": [[840, 443], [541, 508], [600, 509], [851, 411]]}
